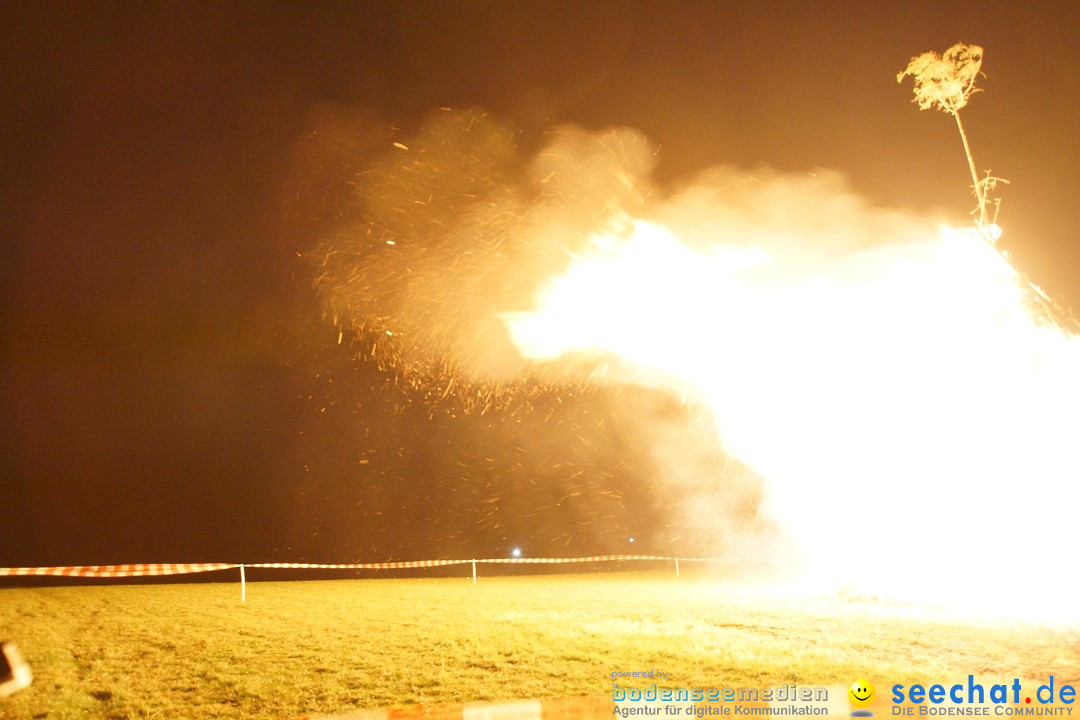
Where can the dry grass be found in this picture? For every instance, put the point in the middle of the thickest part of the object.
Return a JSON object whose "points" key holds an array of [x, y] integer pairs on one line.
{"points": [[193, 651]]}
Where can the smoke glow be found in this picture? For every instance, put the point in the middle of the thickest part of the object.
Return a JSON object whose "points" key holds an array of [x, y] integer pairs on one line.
{"points": [[914, 423], [912, 420]]}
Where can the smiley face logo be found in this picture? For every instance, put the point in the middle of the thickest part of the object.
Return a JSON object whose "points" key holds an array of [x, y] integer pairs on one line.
{"points": [[861, 693]]}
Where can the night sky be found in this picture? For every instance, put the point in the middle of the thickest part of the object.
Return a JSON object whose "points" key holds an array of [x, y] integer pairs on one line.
{"points": [[171, 388]]}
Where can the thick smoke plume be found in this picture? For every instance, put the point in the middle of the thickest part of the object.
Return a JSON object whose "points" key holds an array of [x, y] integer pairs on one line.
{"points": [[886, 379], [436, 238], [455, 227]]}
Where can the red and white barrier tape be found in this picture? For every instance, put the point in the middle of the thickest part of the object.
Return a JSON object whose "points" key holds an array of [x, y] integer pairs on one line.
{"points": [[115, 571], [151, 569], [557, 561], [360, 566], [725, 560]]}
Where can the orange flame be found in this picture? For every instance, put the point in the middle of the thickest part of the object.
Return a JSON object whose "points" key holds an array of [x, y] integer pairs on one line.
{"points": [[915, 424]]}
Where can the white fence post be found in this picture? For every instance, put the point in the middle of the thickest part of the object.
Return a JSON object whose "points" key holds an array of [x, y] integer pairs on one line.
{"points": [[473, 572], [677, 568], [243, 585]]}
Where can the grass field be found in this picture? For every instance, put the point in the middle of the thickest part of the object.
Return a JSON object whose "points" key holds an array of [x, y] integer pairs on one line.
{"points": [[297, 648]]}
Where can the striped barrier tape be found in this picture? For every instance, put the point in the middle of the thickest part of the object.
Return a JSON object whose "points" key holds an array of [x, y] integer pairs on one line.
{"points": [[116, 571], [726, 560], [439, 563], [360, 566], [557, 561], [154, 569]]}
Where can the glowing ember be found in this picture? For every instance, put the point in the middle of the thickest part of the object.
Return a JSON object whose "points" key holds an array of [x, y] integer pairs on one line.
{"points": [[914, 421]]}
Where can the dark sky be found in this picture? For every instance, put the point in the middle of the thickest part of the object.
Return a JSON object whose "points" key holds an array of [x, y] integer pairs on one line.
{"points": [[169, 388]]}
